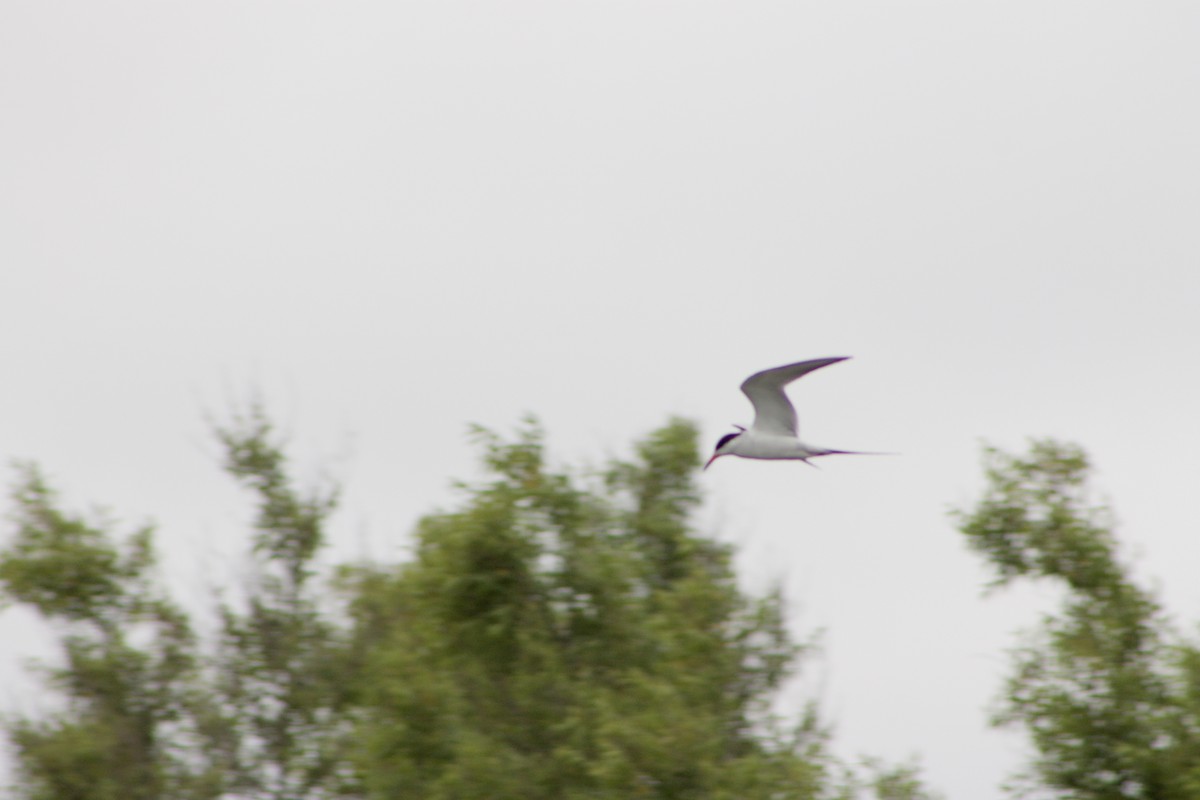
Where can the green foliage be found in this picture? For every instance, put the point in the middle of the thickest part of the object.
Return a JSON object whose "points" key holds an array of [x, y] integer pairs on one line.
{"points": [[557, 635], [1105, 688], [119, 694], [61, 565], [289, 528], [899, 782], [277, 680], [255, 717], [578, 641]]}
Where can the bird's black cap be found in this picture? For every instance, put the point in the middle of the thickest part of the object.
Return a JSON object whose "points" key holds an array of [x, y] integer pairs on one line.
{"points": [[726, 439]]}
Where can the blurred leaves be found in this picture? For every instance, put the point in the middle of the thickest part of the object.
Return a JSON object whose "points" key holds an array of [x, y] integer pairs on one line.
{"points": [[581, 640], [120, 694], [557, 635], [1105, 687]]}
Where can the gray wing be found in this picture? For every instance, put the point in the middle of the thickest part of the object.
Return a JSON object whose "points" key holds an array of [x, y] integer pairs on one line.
{"points": [[773, 412]]}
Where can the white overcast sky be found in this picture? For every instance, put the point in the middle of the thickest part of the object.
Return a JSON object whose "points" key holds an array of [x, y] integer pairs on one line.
{"points": [[398, 218]]}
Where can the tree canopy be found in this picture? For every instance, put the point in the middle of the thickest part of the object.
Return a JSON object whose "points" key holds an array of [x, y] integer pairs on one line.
{"points": [[558, 634], [1107, 688]]}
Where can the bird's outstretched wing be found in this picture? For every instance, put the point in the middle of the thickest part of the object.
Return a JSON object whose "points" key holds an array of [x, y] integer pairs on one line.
{"points": [[773, 412]]}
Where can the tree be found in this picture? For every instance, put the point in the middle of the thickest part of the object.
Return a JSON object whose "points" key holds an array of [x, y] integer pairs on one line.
{"points": [[557, 635], [257, 714], [1109, 692], [554, 641], [129, 654], [279, 679]]}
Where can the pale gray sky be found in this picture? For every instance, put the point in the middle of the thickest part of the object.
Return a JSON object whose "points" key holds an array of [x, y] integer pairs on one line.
{"points": [[400, 217]]}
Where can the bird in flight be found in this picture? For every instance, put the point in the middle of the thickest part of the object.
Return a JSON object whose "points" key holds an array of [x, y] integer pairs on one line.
{"points": [[773, 434]]}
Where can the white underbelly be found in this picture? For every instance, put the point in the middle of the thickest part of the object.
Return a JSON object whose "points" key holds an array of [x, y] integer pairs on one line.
{"points": [[770, 447]]}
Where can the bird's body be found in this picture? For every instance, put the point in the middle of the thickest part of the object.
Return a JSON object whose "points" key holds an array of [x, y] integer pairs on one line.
{"points": [[774, 434], [769, 446]]}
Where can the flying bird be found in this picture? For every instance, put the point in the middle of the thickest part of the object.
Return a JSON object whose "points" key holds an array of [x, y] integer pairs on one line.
{"points": [[773, 434]]}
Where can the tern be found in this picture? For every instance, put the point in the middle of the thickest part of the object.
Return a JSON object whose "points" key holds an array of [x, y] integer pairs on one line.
{"points": [[773, 434]]}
